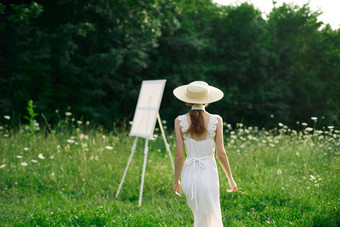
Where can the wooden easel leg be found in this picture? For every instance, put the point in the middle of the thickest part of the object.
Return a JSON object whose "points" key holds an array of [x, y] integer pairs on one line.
{"points": [[165, 142], [127, 166], [143, 173]]}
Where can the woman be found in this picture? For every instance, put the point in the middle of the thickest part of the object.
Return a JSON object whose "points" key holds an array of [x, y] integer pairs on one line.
{"points": [[200, 132]]}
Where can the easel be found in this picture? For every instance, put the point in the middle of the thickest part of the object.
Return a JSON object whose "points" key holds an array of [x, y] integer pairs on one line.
{"points": [[145, 157]]}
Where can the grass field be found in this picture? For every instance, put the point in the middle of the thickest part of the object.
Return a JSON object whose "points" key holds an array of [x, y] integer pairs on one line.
{"points": [[70, 177]]}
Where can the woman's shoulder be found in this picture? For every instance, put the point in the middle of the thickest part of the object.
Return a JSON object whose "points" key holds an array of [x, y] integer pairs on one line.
{"points": [[181, 117], [215, 116]]}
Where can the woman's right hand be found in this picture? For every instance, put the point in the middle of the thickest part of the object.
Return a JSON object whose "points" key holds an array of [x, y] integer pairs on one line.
{"points": [[176, 188], [233, 186], [232, 189]]}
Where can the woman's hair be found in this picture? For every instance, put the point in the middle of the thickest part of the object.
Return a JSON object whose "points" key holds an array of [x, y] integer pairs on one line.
{"points": [[197, 125], [197, 122]]}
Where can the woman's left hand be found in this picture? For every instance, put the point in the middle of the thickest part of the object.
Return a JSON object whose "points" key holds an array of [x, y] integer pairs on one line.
{"points": [[176, 188]]}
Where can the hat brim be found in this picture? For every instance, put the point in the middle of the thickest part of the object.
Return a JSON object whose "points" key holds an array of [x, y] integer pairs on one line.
{"points": [[214, 95]]}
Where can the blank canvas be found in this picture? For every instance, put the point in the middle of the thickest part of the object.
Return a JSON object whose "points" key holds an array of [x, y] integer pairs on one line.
{"points": [[149, 101]]}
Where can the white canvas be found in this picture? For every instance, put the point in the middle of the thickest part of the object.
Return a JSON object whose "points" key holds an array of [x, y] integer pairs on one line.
{"points": [[149, 101]]}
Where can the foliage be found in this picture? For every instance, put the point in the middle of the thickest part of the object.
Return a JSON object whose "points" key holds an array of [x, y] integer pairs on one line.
{"points": [[33, 124], [93, 58], [69, 178]]}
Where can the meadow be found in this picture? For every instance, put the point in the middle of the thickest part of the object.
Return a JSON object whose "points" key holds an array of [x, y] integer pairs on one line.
{"points": [[69, 177]]}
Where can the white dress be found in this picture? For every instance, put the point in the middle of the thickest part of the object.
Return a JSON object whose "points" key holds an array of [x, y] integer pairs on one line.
{"points": [[199, 178]]}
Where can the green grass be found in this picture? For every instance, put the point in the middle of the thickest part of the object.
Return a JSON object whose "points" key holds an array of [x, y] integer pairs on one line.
{"points": [[285, 178]]}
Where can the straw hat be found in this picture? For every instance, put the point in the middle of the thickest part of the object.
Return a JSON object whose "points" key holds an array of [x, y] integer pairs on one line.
{"points": [[198, 92]]}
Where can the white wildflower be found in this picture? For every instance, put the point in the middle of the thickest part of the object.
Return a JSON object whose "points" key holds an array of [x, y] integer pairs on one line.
{"points": [[309, 129], [34, 161], [36, 126], [330, 127], [280, 124], [19, 156], [304, 124], [68, 113], [52, 174], [83, 136], [164, 121], [51, 157], [7, 117], [314, 118], [41, 156], [279, 172], [2, 166], [312, 177], [25, 148], [108, 148], [70, 141], [104, 137], [130, 122], [24, 164], [79, 122], [297, 154]]}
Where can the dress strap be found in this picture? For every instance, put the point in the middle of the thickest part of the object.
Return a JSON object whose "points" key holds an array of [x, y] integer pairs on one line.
{"points": [[184, 124], [212, 125]]}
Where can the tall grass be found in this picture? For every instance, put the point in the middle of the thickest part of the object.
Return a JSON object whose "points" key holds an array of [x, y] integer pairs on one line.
{"points": [[69, 177]]}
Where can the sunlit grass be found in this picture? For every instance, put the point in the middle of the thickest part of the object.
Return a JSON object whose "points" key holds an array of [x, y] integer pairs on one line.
{"points": [[70, 177]]}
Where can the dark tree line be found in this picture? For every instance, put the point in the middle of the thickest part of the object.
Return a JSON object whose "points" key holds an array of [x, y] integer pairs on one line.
{"points": [[90, 57]]}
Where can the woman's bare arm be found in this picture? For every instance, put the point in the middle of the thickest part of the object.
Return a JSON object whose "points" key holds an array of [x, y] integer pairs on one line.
{"points": [[179, 157], [222, 156]]}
